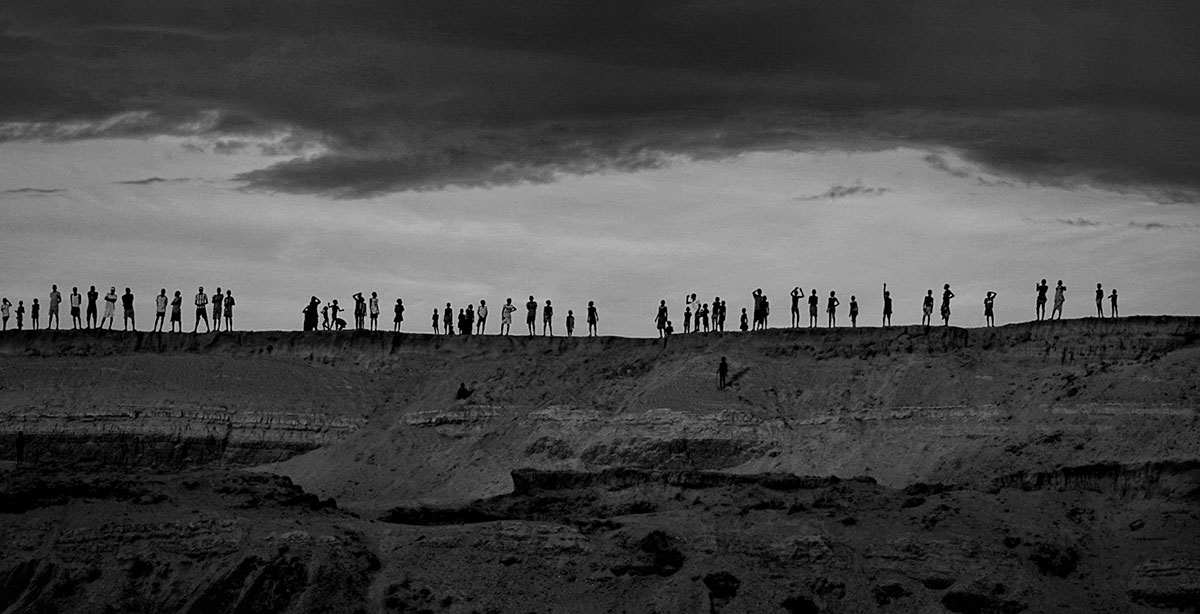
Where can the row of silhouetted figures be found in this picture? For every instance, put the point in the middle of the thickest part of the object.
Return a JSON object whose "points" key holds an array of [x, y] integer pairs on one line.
{"points": [[85, 312], [698, 316]]}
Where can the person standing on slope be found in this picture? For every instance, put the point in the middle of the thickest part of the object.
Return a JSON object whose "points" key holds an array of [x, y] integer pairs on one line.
{"points": [[373, 310], [660, 319], [55, 301], [76, 303], [1060, 297], [481, 313], [887, 307], [398, 319], [1040, 308], [201, 302], [593, 319], [160, 311], [927, 308], [797, 294], [989, 314], [946, 296], [531, 308], [177, 312], [506, 313], [1099, 301]]}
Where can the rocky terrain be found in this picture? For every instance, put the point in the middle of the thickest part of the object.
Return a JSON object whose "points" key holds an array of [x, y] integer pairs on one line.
{"points": [[1032, 467]]}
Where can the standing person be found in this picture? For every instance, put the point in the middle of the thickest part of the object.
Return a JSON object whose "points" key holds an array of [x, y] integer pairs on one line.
{"points": [[719, 314], [110, 307], [946, 296], [127, 306], [217, 299], [813, 301], [325, 323], [660, 319], [470, 319], [667, 332], [593, 318], [360, 311], [831, 308], [687, 320], [463, 324], [1113, 299], [722, 373], [853, 312], [1060, 297], [398, 319], [76, 303], [202, 312], [55, 301], [745, 325], [548, 319], [927, 308], [337, 322], [887, 307], [309, 311], [33, 314], [92, 297], [531, 314], [989, 314], [229, 310], [692, 305], [797, 294], [1040, 308], [373, 310], [1099, 301], [704, 310], [570, 322], [20, 314], [766, 311], [481, 313], [5, 308], [448, 319], [506, 316], [160, 311], [177, 312], [435, 322], [757, 297]]}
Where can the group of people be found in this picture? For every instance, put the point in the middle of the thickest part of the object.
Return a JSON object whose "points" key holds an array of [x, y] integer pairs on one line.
{"points": [[86, 317]]}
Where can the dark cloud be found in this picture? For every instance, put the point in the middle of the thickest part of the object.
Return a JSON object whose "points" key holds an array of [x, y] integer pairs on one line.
{"points": [[152, 180], [1080, 222], [428, 94], [842, 191], [34, 191]]}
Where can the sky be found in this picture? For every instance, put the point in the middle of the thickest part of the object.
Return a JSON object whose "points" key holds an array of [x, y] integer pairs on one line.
{"points": [[620, 152]]}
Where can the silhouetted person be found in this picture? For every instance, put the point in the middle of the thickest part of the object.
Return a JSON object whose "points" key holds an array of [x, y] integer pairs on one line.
{"points": [[33, 314], [1099, 301], [470, 320], [853, 312], [482, 314], [691, 305], [160, 311], [448, 319], [946, 296], [177, 312], [373, 310], [813, 302], [668, 330], [989, 313], [831, 308], [436, 319], [201, 301], [766, 311], [722, 373], [887, 306], [660, 319], [757, 297], [20, 315], [5, 311], [593, 319], [325, 323], [217, 299], [570, 322], [797, 294], [1113, 299], [1060, 297], [360, 311], [76, 303], [110, 307], [229, 310], [687, 319], [704, 316], [531, 315], [463, 392], [745, 324], [92, 297], [462, 322], [1042, 289], [506, 313], [548, 319], [339, 323], [310, 313], [55, 301], [398, 319], [127, 307], [719, 311], [927, 308]]}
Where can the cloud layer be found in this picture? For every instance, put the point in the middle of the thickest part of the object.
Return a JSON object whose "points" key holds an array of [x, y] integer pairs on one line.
{"points": [[376, 96]]}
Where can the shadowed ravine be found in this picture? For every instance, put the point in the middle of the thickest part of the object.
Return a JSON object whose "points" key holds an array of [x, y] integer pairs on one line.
{"points": [[1027, 467]]}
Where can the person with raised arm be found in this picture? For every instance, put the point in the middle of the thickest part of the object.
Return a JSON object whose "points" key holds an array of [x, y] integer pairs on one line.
{"points": [[360, 311], [887, 307], [797, 294], [989, 313]]}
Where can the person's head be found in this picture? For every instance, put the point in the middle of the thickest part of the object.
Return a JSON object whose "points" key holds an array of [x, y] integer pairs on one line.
{"points": [[832, 293], [743, 310], [75, 289], [1098, 286], [399, 302], [814, 290], [35, 301], [163, 291], [570, 313], [852, 298], [687, 309], [946, 287], [591, 303], [374, 295], [447, 305], [887, 292], [1043, 282], [335, 301], [202, 290], [530, 297], [929, 293], [547, 302], [706, 305], [722, 359], [127, 291], [461, 312], [1060, 282], [112, 288], [482, 302], [663, 302], [218, 289], [54, 287], [93, 289], [509, 301], [229, 293], [177, 294]]}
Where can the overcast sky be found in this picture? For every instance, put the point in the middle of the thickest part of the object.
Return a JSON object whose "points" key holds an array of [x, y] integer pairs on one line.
{"points": [[621, 152]]}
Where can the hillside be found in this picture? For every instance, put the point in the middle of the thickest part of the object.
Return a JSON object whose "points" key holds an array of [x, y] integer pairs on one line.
{"points": [[1019, 452]]}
